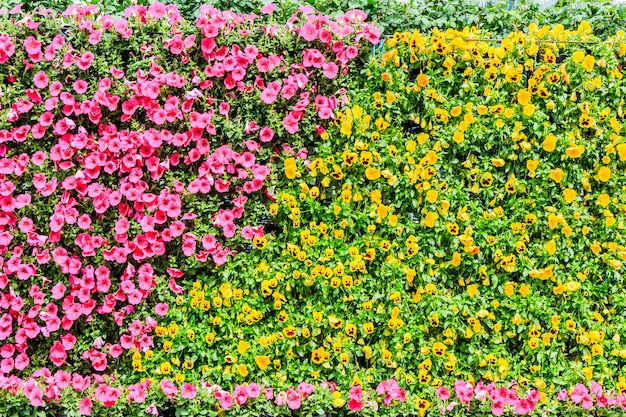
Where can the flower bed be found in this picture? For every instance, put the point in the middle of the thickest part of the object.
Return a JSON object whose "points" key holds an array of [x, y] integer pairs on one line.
{"points": [[245, 215]]}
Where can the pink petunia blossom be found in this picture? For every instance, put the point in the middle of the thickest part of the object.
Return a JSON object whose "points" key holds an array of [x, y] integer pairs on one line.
{"points": [[266, 134], [443, 393], [169, 388], [157, 10], [40, 79], [161, 309], [309, 32], [290, 123], [84, 406], [268, 8], [188, 391], [294, 400]]}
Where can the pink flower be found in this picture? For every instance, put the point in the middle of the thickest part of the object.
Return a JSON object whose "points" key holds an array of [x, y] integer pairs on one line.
{"points": [[497, 407], [355, 405], [136, 393], [269, 95], [580, 395], [463, 391], [107, 395], [254, 390], [84, 62], [293, 399], [352, 52], [80, 86], [443, 393], [562, 395], [68, 340], [290, 123], [305, 389], [330, 70], [58, 355], [266, 134], [240, 394], [188, 391], [152, 410], [40, 80], [161, 309], [169, 388], [84, 406], [33, 393], [524, 406], [252, 145], [356, 392], [308, 32], [268, 8], [224, 398], [596, 389], [355, 16], [281, 398], [157, 10], [95, 37]]}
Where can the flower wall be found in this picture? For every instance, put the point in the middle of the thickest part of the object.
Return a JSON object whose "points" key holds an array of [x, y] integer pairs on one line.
{"points": [[245, 215]]}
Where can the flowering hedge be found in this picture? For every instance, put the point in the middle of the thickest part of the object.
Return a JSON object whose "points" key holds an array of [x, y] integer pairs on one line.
{"points": [[243, 214]]}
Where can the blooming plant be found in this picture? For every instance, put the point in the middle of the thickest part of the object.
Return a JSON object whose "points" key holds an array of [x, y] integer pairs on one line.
{"points": [[241, 215]]}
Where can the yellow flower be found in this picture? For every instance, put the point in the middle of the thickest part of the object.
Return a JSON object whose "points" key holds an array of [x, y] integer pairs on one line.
{"points": [[486, 179], [372, 174], [242, 369], [604, 174], [430, 219], [242, 347], [262, 362], [509, 289], [472, 290], [533, 343], [458, 136], [338, 402], [569, 195], [604, 200], [532, 165], [523, 97], [528, 110], [290, 168], [588, 63], [556, 175], [575, 151], [549, 143], [453, 228], [259, 242], [578, 56], [585, 121], [439, 349], [456, 259]]}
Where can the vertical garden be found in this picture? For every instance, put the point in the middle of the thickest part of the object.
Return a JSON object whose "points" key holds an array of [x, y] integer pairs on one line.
{"points": [[272, 213]]}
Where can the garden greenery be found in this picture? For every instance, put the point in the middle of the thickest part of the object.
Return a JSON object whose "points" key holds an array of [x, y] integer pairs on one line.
{"points": [[239, 215]]}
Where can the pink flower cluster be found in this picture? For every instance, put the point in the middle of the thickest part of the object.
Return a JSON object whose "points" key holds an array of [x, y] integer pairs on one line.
{"points": [[358, 400], [503, 398], [241, 395], [292, 397], [583, 396], [114, 181], [45, 387], [391, 390]]}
